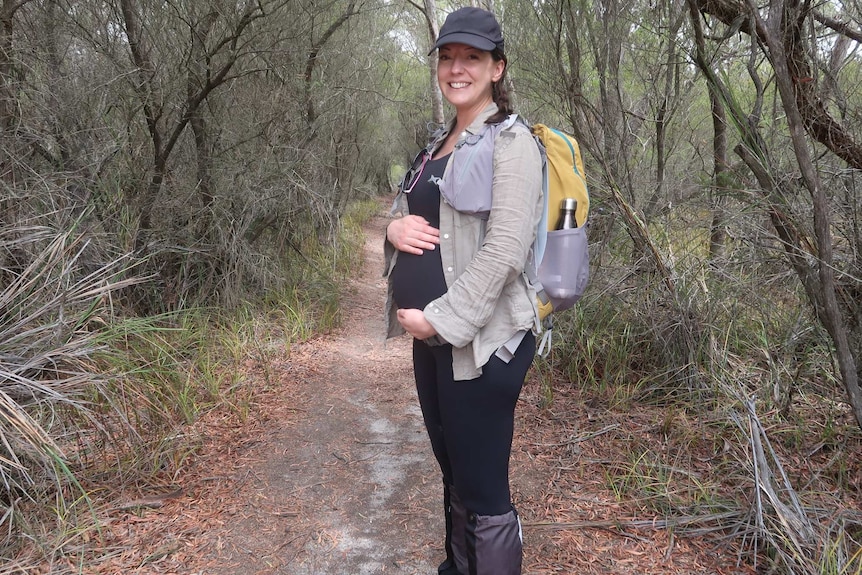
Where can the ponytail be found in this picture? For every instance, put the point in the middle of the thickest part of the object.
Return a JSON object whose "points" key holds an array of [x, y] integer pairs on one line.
{"points": [[499, 91]]}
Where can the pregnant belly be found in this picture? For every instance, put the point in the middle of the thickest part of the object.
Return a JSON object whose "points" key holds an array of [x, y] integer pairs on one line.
{"points": [[417, 280]]}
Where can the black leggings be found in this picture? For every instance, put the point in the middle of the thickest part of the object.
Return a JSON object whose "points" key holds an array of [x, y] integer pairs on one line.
{"points": [[471, 422]]}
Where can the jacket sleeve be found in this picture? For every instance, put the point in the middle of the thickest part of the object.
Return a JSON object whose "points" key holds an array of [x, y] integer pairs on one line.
{"points": [[517, 185], [390, 256], [399, 209]]}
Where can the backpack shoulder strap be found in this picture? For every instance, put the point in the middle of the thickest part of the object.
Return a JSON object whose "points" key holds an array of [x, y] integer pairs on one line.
{"points": [[509, 121]]}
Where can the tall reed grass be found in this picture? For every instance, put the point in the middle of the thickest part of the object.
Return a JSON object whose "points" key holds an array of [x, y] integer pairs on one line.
{"points": [[93, 398]]}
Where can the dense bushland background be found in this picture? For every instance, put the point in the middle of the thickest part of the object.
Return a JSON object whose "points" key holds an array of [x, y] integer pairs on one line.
{"points": [[179, 178]]}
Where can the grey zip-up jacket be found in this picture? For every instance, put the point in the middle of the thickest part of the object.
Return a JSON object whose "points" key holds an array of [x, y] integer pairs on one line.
{"points": [[489, 298]]}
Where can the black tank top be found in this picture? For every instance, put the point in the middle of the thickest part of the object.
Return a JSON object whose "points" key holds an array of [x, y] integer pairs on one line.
{"points": [[418, 280]]}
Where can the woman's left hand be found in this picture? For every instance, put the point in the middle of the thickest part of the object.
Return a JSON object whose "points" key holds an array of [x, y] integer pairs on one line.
{"points": [[414, 322]]}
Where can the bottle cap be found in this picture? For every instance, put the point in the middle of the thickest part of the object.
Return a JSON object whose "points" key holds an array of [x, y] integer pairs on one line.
{"points": [[569, 204]]}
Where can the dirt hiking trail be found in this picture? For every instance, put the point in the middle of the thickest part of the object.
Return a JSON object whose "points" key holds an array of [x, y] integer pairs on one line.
{"points": [[350, 476], [332, 474]]}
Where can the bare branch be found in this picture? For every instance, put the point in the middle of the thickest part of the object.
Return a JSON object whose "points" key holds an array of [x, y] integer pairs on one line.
{"points": [[840, 27], [816, 118]]}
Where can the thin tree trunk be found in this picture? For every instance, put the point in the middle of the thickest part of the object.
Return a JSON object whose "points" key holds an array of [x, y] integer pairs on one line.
{"points": [[8, 107], [197, 71], [430, 12], [663, 116], [717, 228], [9, 143]]}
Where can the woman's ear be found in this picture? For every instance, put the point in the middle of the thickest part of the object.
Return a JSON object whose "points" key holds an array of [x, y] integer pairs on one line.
{"points": [[500, 67]]}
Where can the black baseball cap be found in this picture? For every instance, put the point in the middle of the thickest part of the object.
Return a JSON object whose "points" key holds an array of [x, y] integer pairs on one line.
{"points": [[471, 26]]}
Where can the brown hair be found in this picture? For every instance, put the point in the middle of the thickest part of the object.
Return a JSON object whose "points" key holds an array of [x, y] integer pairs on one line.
{"points": [[499, 91]]}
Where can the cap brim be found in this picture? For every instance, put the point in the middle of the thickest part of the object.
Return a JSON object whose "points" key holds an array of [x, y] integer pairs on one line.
{"points": [[464, 38]]}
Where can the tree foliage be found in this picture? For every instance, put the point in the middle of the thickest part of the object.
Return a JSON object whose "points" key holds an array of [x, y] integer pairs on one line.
{"points": [[209, 138]]}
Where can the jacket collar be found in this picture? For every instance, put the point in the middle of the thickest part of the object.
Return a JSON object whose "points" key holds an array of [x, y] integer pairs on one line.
{"points": [[475, 127]]}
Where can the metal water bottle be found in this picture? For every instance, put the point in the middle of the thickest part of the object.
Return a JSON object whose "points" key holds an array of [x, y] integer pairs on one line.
{"points": [[567, 220]]}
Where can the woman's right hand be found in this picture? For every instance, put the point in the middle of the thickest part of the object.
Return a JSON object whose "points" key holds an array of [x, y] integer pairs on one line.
{"points": [[412, 234]]}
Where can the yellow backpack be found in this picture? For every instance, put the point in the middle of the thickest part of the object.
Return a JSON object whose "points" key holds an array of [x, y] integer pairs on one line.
{"points": [[560, 269], [565, 173]]}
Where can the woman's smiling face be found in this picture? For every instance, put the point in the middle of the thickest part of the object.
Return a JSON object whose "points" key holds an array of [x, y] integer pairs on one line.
{"points": [[466, 75]]}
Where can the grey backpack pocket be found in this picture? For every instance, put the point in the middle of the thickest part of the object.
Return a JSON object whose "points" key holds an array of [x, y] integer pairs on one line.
{"points": [[565, 268]]}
